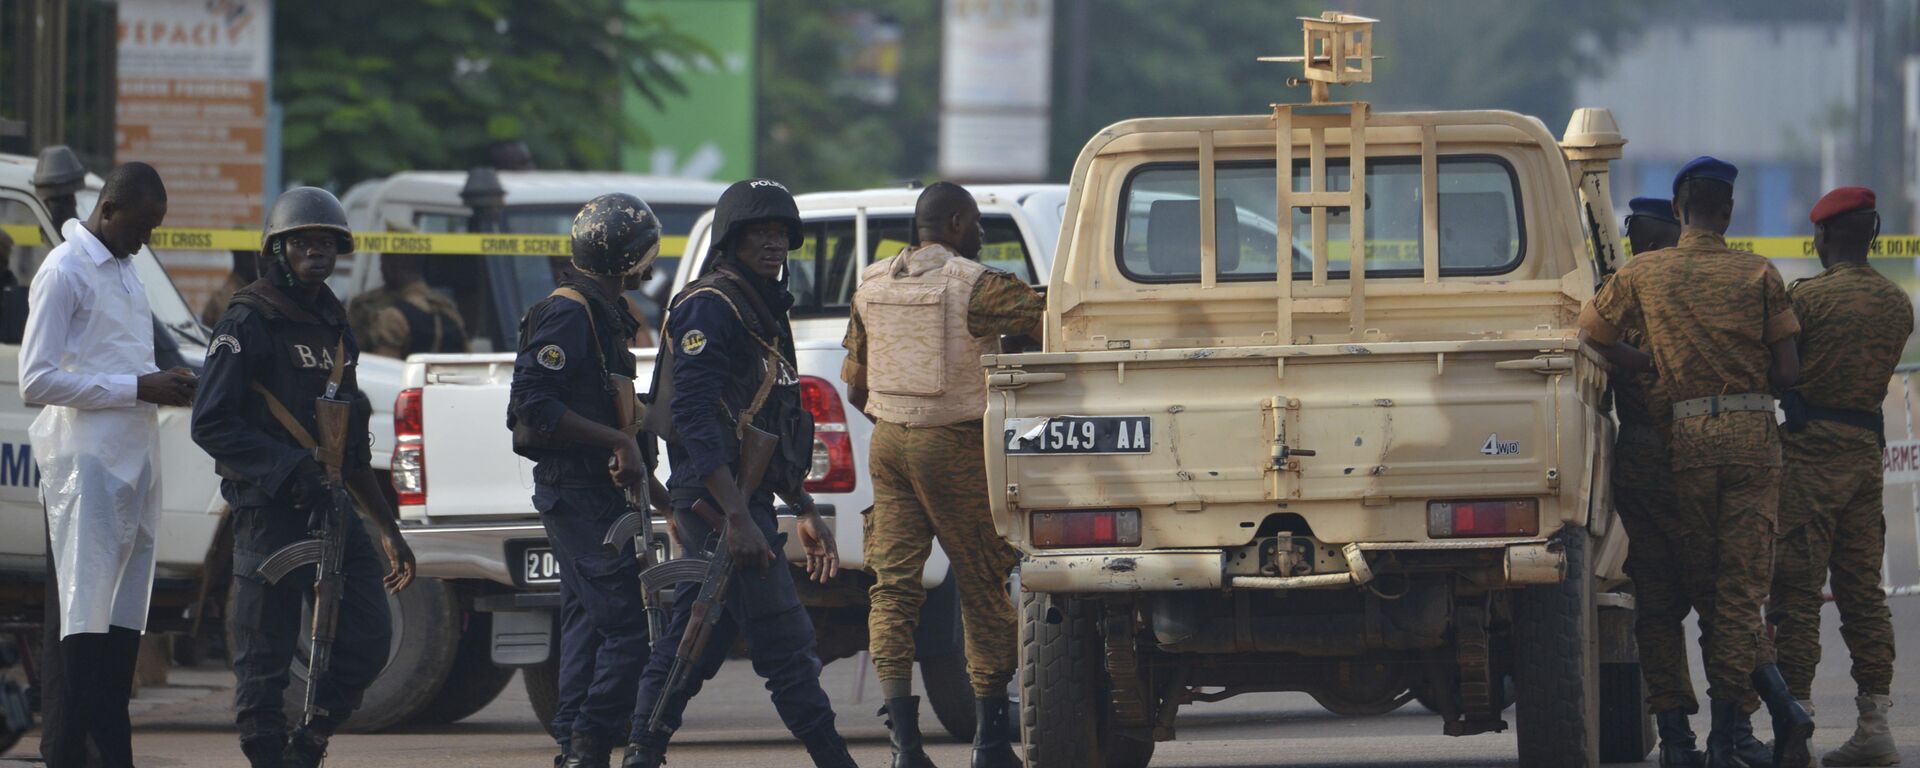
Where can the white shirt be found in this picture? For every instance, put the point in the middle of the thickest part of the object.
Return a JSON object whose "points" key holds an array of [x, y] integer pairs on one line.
{"points": [[59, 305]]}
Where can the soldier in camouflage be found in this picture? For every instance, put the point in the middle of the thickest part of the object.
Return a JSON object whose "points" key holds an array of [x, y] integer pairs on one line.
{"points": [[1854, 326], [1721, 331], [914, 366], [1643, 494], [405, 315]]}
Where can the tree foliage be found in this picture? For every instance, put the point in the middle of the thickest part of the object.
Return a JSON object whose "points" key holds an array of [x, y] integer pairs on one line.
{"points": [[370, 87]]}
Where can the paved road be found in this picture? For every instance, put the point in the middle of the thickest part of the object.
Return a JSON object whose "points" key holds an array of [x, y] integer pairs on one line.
{"points": [[187, 724]]}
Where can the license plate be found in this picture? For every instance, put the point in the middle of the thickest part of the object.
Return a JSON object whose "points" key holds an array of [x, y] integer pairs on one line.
{"points": [[1080, 435], [538, 565]]}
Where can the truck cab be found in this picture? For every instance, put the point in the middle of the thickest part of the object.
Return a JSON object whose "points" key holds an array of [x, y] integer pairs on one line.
{"points": [[1312, 414]]}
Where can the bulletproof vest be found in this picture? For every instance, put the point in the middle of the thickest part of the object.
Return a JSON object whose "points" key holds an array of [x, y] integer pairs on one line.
{"points": [[767, 398], [590, 394], [429, 331], [304, 343], [923, 366]]}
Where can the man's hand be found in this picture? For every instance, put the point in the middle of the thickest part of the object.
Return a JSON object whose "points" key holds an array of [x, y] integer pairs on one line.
{"points": [[816, 537], [310, 490], [400, 563], [629, 470], [171, 387], [749, 548]]}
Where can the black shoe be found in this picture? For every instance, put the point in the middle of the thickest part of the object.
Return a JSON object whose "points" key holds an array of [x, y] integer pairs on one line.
{"points": [[1792, 726], [828, 750], [305, 749], [1730, 727], [643, 755], [267, 750], [990, 747], [587, 751], [1677, 742], [903, 720]]}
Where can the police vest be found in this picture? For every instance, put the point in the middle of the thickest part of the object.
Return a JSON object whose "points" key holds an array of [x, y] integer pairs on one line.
{"points": [[923, 366], [590, 394], [304, 347]]}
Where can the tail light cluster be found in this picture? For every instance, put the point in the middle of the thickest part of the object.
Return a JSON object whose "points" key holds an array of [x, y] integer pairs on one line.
{"points": [[1085, 528], [832, 470], [1483, 517], [409, 452]]}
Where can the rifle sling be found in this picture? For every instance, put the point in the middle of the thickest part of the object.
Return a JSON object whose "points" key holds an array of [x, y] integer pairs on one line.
{"points": [[600, 354], [285, 417]]}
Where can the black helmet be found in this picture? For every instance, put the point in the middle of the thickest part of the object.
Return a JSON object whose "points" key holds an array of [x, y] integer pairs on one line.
{"points": [[614, 235], [756, 200], [307, 208]]}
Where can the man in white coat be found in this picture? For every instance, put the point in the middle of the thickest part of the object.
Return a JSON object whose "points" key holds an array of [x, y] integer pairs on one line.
{"points": [[87, 356]]}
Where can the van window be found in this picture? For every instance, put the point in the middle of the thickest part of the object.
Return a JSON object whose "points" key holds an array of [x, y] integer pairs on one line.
{"points": [[1480, 220], [824, 270]]}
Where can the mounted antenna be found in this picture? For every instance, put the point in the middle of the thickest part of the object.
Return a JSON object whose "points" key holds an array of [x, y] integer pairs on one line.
{"points": [[1338, 50]]}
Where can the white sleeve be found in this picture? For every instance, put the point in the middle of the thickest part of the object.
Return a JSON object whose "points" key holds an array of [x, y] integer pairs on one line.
{"points": [[50, 307]]}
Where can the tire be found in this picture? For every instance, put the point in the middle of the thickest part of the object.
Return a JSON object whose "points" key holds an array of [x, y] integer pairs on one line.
{"points": [[474, 681], [1064, 711], [542, 682], [1556, 661], [950, 693], [425, 640], [1626, 726]]}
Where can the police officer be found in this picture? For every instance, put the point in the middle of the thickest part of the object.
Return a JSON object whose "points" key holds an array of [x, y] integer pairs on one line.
{"points": [[1643, 494], [1854, 324], [282, 343], [564, 413], [728, 353], [916, 371], [1721, 331], [405, 315]]}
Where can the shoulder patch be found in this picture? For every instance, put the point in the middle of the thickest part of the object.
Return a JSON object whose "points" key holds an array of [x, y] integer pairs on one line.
{"points": [[693, 342], [551, 357], [224, 341]]}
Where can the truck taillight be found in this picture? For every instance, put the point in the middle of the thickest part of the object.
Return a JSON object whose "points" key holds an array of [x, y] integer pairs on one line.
{"points": [[1483, 517], [1086, 528], [832, 470], [409, 451]]}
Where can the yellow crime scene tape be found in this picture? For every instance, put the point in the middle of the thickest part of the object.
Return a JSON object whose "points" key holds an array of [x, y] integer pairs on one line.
{"points": [[438, 244]]}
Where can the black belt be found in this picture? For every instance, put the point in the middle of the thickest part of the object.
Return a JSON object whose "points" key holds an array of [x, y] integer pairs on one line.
{"points": [[1870, 421]]}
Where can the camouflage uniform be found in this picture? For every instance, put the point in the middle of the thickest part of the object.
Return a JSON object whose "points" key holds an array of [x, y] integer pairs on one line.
{"points": [[1855, 326], [377, 318], [1643, 494], [1711, 314], [931, 482]]}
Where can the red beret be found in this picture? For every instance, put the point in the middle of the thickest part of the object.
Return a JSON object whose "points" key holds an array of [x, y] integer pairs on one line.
{"points": [[1842, 200]]}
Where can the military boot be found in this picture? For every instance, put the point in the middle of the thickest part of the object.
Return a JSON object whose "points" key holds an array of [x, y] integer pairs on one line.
{"points": [[641, 754], [305, 749], [990, 747], [1872, 742], [903, 720], [1730, 744], [587, 751], [266, 750], [828, 750], [1677, 742], [1792, 725]]}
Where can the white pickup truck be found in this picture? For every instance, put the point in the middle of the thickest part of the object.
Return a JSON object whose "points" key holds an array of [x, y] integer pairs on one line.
{"points": [[465, 497]]}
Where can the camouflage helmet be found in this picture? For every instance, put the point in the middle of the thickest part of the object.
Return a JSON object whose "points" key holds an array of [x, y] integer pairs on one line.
{"points": [[614, 235], [307, 208]]}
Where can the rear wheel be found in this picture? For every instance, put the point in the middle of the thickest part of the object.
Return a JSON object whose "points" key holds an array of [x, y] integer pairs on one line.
{"points": [[542, 682], [1064, 708], [1626, 727], [474, 681], [1555, 661], [950, 693]]}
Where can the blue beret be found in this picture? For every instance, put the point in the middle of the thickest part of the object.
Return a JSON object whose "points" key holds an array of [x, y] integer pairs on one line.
{"points": [[1706, 167], [1653, 208]]}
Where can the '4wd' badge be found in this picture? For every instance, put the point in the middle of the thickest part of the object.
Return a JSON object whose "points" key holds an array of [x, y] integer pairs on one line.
{"points": [[1494, 447]]}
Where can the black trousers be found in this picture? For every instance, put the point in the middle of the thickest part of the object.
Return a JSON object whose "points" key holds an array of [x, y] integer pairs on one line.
{"points": [[86, 681]]}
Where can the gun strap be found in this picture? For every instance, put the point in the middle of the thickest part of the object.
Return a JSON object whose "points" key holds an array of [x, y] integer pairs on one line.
{"points": [[285, 417], [600, 354], [771, 362]]}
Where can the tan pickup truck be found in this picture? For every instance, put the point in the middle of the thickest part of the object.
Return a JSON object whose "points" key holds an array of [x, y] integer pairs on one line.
{"points": [[1374, 476]]}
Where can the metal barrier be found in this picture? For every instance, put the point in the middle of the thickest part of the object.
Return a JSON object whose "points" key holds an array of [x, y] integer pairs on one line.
{"points": [[1901, 460]]}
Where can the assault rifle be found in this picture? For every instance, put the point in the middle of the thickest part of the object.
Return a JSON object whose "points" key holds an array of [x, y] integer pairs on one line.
{"points": [[328, 524], [637, 523], [714, 572]]}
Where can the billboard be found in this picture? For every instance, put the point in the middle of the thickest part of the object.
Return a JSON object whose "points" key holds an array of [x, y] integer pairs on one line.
{"points": [[707, 132], [996, 81]]}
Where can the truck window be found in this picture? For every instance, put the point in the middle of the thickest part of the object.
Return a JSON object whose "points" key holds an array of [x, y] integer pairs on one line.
{"points": [[29, 242], [824, 270], [1480, 220]]}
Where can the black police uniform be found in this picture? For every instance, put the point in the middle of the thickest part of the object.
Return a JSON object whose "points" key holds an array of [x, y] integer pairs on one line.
{"points": [[714, 347], [267, 336], [567, 352]]}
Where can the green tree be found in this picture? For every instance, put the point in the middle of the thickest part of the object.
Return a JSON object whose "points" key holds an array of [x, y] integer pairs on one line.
{"points": [[370, 87]]}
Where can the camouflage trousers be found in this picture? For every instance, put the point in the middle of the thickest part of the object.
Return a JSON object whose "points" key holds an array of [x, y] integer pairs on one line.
{"points": [[1725, 519], [931, 482], [1831, 525], [1643, 494]]}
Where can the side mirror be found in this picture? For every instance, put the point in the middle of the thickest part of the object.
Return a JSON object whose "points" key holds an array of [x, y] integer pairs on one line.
{"points": [[13, 314]]}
